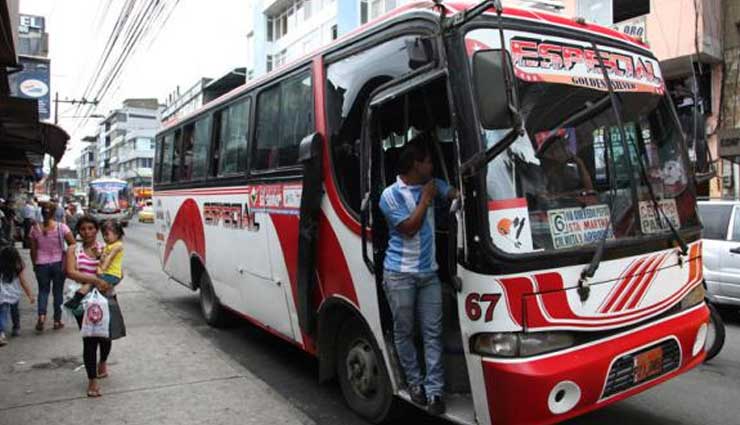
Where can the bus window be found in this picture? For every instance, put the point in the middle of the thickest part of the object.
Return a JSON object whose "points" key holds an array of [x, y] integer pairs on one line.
{"points": [[216, 148], [158, 160], [200, 147], [289, 103], [176, 156], [234, 129], [167, 145], [349, 83], [187, 153]]}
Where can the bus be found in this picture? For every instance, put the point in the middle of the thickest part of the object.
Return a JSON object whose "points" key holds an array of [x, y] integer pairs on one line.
{"points": [[571, 264], [110, 198]]}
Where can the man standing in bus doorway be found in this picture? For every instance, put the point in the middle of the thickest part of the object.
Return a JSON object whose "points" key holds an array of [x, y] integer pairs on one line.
{"points": [[410, 279]]}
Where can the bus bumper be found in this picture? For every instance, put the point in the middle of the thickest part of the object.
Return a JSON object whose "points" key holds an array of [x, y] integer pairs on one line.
{"points": [[552, 388]]}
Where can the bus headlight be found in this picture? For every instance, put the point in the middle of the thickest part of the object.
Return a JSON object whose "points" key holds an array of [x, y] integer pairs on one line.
{"points": [[693, 298], [508, 344]]}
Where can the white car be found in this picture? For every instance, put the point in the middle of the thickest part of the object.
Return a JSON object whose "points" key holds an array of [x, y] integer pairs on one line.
{"points": [[721, 250]]}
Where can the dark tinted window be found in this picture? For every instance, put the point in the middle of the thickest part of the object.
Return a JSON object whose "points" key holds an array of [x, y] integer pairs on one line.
{"points": [[167, 145], [284, 118], [187, 152], [233, 134], [200, 147], [349, 83], [157, 156], [715, 219], [176, 155]]}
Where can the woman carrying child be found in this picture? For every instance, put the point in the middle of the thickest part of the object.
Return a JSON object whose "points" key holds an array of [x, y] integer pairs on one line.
{"points": [[11, 282], [82, 267]]}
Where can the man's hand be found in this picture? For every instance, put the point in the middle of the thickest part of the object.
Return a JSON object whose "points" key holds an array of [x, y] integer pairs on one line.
{"points": [[429, 192]]}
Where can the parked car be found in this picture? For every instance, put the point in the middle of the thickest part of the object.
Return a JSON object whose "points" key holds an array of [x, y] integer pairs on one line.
{"points": [[146, 214], [721, 234], [721, 255]]}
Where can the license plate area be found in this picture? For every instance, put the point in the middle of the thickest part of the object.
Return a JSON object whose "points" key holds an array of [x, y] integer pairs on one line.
{"points": [[634, 368], [647, 365]]}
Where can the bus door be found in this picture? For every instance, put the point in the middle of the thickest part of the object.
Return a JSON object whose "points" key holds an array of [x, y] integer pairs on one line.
{"points": [[416, 107]]}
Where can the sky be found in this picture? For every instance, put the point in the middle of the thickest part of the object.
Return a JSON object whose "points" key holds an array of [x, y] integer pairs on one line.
{"points": [[201, 38]]}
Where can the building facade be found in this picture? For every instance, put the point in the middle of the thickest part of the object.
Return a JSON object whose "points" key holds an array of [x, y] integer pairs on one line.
{"points": [[123, 145]]}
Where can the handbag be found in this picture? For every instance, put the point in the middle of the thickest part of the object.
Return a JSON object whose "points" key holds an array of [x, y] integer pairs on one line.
{"points": [[61, 245], [117, 328]]}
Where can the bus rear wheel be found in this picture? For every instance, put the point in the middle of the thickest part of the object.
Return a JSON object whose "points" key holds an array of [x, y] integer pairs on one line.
{"points": [[210, 306], [362, 375]]}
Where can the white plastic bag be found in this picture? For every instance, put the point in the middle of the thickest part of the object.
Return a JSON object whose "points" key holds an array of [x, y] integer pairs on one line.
{"points": [[96, 320]]}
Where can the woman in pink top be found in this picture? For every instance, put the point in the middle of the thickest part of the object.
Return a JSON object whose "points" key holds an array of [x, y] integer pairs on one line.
{"points": [[82, 263], [47, 253]]}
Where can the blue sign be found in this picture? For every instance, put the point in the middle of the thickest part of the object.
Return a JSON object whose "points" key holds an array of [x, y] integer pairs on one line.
{"points": [[33, 83]]}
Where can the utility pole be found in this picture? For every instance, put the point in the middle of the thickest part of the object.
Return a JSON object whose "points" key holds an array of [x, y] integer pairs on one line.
{"points": [[82, 101]]}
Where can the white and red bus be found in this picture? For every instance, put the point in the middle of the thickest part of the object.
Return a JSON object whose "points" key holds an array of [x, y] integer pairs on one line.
{"points": [[571, 266]]}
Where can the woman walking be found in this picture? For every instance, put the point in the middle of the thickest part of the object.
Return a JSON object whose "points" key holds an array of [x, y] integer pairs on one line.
{"points": [[48, 253], [82, 263]]}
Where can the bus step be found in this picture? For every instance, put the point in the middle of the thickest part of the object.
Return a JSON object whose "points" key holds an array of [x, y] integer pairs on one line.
{"points": [[460, 407]]}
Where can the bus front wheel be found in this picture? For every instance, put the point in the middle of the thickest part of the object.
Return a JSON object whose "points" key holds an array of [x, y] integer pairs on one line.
{"points": [[362, 374], [210, 306]]}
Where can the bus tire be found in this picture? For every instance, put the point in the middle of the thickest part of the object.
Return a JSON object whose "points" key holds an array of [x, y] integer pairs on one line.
{"points": [[715, 333], [210, 305], [362, 374]]}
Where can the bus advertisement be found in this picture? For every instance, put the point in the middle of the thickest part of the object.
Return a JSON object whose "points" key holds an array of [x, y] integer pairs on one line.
{"points": [[570, 265], [110, 198]]}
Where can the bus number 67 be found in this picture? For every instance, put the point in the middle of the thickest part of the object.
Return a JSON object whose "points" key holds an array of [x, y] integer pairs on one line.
{"points": [[473, 305]]}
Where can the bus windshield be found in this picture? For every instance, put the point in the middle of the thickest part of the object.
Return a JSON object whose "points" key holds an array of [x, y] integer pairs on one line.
{"points": [[568, 179], [109, 196]]}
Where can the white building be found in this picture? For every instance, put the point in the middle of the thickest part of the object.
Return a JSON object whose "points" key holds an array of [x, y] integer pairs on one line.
{"points": [[283, 30], [123, 145]]}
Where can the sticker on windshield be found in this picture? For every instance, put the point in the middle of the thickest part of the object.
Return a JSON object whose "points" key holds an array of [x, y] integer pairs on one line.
{"points": [[572, 227], [649, 224], [510, 228]]}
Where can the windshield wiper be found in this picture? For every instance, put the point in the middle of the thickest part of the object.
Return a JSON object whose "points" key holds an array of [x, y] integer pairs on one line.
{"points": [[584, 113], [479, 160]]}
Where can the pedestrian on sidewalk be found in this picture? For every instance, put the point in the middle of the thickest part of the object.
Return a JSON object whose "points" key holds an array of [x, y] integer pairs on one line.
{"points": [[48, 253], [11, 282], [82, 264]]}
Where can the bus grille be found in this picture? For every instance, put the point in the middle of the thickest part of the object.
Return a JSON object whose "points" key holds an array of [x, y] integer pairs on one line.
{"points": [[621, 375]]}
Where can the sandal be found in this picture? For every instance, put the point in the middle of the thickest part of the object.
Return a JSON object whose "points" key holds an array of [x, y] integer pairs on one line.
{"points": [[103, 374], [58, 325], [93, 393], [39, 326]]}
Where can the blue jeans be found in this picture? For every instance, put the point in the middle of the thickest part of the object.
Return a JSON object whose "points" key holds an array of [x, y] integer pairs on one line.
{"points": [[6, 308], [411, 295], [50, 277]]}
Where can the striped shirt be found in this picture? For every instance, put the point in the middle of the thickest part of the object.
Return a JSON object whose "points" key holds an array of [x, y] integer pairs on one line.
{"points": [[85, 263], [416, 253]]}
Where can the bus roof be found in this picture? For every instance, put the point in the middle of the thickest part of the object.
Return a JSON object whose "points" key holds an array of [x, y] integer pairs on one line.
{"points": [[453, 8]]}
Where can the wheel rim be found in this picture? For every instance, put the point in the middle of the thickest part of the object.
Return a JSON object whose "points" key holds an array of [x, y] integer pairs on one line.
{"points": [[362, 369]]}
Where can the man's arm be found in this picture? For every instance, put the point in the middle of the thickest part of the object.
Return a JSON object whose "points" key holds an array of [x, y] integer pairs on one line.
{"points": [[411, 225]]}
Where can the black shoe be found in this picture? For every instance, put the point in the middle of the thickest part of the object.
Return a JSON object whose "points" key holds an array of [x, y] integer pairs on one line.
{"points": [[418, 395], [436, 405]]}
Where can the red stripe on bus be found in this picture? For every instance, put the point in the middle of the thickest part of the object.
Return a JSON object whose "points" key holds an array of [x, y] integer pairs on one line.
{"points": [[504, 204], [188, 228]]}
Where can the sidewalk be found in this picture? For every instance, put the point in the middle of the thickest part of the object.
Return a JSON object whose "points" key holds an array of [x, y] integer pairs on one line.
{"points": [[163, 372]]}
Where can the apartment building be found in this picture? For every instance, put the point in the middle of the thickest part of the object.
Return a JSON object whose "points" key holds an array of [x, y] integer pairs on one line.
{"points": [[123, 144]]}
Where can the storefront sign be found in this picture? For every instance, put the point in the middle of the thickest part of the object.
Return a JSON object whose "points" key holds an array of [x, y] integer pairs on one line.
{"points": [[33, 83]]}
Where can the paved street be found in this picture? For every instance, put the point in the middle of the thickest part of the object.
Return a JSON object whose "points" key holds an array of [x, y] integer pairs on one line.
{"points": [[708, 395]]}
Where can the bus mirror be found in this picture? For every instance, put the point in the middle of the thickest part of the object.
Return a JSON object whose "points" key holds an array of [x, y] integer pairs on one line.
{"points": [[420, 52], [310, 147], [490, 87]]}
